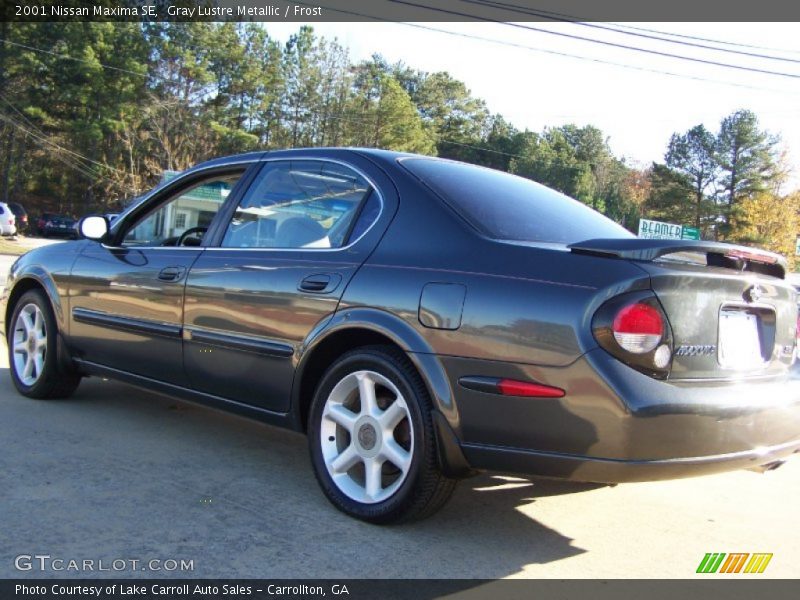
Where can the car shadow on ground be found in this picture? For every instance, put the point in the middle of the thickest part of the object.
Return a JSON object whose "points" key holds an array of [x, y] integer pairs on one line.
{"points": [[118, 472]]}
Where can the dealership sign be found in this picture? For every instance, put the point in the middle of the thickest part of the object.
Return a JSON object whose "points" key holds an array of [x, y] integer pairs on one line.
{"points": [[657, 230]]}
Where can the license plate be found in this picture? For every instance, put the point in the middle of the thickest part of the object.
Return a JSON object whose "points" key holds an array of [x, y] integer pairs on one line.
{"points": [[739, 343]]}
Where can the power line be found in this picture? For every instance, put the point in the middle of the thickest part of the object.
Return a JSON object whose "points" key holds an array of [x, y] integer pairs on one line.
{"points": [[575, 21], [68, 57], [20, 113], [603, 42], [596, 60], [83, 168], [703, 39], [469, 36], [416, 25], [67, 150], [559, 53], [48, 145], [573, 18]]}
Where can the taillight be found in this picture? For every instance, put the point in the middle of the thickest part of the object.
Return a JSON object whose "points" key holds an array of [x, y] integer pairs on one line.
{"points": [[633, 328], [638, 328]]}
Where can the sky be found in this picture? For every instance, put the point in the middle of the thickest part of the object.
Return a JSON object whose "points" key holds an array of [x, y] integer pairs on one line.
{"points": [[637, 109]]}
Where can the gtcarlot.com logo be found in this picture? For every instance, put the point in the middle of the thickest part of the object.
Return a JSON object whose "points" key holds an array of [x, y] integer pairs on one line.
{"points": [[46, 562], [734, 562]]}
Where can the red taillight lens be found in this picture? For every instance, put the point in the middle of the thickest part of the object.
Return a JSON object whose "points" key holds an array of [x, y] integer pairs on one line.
{"points": [[638, 328]]}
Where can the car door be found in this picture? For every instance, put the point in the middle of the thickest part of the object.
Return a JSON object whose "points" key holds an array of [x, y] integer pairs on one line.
{"points": [[277, 272], [126, 306]]}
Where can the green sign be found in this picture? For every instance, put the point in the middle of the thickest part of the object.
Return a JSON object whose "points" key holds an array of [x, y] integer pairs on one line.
{"points": [[658, 230], [690, 233]]}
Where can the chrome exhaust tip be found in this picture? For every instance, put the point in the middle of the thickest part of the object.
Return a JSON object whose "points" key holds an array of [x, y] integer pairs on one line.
{"points": [[770, 466]]}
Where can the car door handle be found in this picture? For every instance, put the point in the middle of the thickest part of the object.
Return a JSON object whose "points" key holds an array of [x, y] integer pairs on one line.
{"points": [[171, 273], [321, 283]]}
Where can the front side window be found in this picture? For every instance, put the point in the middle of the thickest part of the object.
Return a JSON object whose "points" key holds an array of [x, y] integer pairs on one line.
{"points": [[185, 217], [299, 204]]}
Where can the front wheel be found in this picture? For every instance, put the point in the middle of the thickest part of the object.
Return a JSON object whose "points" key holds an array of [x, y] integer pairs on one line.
{"points": [[372, 441], [32, 354]]}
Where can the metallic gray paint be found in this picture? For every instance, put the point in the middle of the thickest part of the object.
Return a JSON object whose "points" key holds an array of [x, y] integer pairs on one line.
{"points": [[441, 305], [526, 313]]}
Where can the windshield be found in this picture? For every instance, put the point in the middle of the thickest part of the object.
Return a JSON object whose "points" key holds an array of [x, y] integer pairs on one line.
{"points": [[507, 207]]}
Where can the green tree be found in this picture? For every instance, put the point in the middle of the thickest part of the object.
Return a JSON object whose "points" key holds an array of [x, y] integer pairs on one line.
{"points": [[670, 195], [550, 159], [382, 114], [693, 154], [772, 222], [578, 162], [747, 158]]}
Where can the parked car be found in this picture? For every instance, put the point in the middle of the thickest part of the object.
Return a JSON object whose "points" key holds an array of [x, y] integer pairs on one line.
{"points": [[420, 320], [42, 220], [59, 226], [7, 220], [20, 215]]}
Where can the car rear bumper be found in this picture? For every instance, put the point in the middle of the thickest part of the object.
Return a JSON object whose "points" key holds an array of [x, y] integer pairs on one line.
{"points": [[605, 470], [615, 424]]}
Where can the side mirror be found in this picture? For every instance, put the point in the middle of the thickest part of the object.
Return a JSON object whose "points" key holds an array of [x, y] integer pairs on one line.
{"points": [[93, 228]]}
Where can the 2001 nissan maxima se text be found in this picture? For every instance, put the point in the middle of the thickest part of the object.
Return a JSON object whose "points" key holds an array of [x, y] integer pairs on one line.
{"points": [[420, 319]]}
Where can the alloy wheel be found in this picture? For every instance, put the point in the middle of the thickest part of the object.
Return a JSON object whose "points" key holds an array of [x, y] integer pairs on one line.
{"points": [[367, 437], [29, 344]]}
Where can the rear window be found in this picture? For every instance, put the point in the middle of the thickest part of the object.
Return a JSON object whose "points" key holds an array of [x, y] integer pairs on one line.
{"points": [[507, 207]]}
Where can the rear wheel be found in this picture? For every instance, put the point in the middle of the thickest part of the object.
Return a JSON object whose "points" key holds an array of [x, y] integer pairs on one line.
{"points": [[32, 355], [372, 441]]}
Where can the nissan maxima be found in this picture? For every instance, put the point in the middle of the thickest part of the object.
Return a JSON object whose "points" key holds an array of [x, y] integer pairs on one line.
{"points": [[420, 320]]}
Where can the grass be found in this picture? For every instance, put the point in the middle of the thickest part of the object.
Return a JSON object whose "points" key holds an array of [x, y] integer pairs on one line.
{"points": [[8, 246]]}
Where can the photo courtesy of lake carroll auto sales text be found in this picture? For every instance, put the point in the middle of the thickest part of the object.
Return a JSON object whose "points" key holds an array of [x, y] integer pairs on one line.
{"points": [[180, 590], [399, 299]]}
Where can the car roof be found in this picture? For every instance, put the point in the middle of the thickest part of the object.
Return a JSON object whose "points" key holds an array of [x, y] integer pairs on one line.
{"points": [[288, 153]]}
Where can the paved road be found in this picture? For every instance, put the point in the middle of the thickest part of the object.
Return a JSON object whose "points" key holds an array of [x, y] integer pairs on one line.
{"points": [[35, 242], [117, 473]]}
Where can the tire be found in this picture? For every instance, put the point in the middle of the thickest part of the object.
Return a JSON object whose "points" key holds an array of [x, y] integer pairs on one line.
{"points": [[376, 460], [32, 350]]}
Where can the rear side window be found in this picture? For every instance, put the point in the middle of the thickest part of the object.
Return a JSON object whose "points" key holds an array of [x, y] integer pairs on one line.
{"points": [[302, 204], [507, 207], [2, 212]]}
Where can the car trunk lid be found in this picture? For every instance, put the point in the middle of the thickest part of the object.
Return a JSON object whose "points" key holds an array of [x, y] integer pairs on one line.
{"points": [[731, 312]]}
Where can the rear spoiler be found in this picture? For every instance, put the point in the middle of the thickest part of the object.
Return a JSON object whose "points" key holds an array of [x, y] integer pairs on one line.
{"points": [[742, 258]]}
